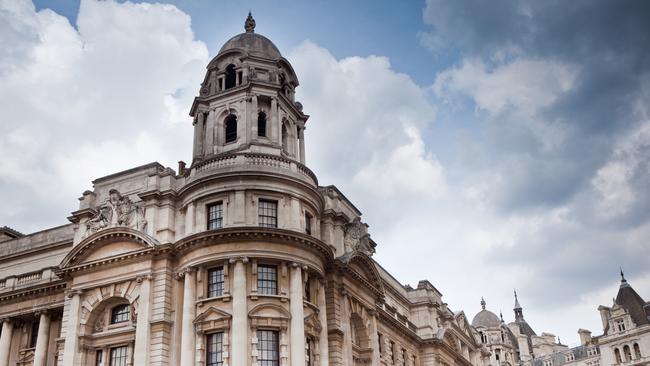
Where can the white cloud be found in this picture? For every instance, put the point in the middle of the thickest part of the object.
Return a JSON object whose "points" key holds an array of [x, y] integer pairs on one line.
{"points": [[523, 85], [78, 104]]}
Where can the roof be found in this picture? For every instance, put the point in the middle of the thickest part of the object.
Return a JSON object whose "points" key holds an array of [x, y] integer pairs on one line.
{"points": [[633, 303], [487, 319], [251, 42]]}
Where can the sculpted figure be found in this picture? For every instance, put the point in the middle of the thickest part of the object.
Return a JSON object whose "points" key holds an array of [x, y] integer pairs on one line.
{"points": [[117, 211]]}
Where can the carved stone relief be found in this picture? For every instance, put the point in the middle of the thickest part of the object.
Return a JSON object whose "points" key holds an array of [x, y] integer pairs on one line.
{"points": [[356, 238], [116, 211]]}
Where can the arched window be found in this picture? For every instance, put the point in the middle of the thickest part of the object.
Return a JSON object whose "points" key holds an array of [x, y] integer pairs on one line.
{"points": [[627, 353], [120, 313], [261, 124], [637, 351], [231, 76], [231, 128], [617, 353], [285, 138], [358, 331]]}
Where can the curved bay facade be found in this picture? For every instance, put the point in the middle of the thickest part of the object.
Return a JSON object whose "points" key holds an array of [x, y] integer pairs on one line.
{"points": [[240, 258]]}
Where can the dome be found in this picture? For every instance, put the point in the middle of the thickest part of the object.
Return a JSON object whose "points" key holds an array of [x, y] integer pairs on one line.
{"points": [[486, 319], [251, 42]]}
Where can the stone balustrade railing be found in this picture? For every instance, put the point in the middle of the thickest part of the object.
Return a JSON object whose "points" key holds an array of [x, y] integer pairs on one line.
{"points": [[26, 279], [253, 161]]}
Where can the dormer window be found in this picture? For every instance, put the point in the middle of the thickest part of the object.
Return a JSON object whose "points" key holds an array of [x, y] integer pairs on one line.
{"points": [[231, 128], [231, 76], [261, 124], [120, 314]]}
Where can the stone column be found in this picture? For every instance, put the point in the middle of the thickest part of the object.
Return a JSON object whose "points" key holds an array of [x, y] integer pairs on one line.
{"points": [[143, 329], [188, 342], [5, 341], [189, 219], [297, 316], [239, 343], [71, 348], [301, 141], [323, 343], [208, 145], [253, 119], [43, 338], [276, 124], [199, 135], [374, 339]]}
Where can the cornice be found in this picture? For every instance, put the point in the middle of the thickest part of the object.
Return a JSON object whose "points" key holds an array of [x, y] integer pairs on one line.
{"points": [[247, 233], [53, 287]]}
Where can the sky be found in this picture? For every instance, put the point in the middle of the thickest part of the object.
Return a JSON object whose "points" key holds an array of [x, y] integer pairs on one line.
{"points": [[489, 147]]}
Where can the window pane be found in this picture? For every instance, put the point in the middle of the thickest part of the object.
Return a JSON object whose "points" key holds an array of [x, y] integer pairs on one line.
{"points": [[215, 216], [120, 314], [268, 213], [268, 349], [215, 282], [119, 356], [267, 280], [214, 350]]}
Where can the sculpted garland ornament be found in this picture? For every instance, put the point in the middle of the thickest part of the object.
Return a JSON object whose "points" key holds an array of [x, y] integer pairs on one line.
{"points": [[117, 211]]}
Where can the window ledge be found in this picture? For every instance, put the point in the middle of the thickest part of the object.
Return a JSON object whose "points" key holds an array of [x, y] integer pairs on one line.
{"points": [[224, 298], [256, 296]]}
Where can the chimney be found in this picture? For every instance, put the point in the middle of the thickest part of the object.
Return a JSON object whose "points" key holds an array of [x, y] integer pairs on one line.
{"points": [[585, 336]]}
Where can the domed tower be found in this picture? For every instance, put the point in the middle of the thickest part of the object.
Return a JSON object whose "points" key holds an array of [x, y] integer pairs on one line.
{"points": [[247, 102], [248, 243], [495, 336]]}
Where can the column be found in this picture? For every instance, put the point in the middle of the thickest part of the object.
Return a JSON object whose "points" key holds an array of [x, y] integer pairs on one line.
{"points": [[189, 219], [43, 338], [199, 127], [188, 342], [301, 141], [276, 128], [253, 119], [297, 345], [71, 348], [374, 338], [323, 343], [143, 329], [239, 339], [208, 147], [5, 341]]}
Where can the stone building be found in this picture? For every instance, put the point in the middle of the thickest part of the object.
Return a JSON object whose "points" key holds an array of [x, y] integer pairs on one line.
{"points": [[240, 258]]}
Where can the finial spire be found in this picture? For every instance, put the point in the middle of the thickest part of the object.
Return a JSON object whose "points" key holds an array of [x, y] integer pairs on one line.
{"points": [[622, 275], [249, 24], [482, 303], [517, 306], [501, 316]]}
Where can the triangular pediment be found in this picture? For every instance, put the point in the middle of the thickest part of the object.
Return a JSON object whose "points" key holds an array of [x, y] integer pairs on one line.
{"points": [[212, 314]]}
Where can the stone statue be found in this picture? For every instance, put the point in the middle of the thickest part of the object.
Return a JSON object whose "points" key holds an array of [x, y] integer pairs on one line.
{"points": [[117, 211], [356, 238], [249, 24]]}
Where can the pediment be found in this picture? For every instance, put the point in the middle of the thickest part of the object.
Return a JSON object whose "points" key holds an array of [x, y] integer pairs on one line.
{"points": [[363, 268], [108, 243], [269, 311], [212, 314]]}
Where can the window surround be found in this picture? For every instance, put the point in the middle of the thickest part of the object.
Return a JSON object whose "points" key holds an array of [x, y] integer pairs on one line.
{"points": [[268, 215], [222, 220]]}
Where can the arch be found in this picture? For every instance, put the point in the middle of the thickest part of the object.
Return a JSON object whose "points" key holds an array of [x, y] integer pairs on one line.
{"points": [[104, 237], [269, 311], [627, 353], [617, 353], [261, 124], [285, 137], [358, 331], [231, 77], [637, 351], [230, 126]]}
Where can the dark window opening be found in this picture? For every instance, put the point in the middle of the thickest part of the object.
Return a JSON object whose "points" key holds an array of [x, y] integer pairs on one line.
{"points": [[99, 358], [215, 282], [120, 314], [231, 128], [261, 124], [308, 223], [34, 335], [220, 84], [231, 76], [267, 213], [240, 77], [214, 350], [285, 140], [267, 280], [307, 291], [215, 216]]}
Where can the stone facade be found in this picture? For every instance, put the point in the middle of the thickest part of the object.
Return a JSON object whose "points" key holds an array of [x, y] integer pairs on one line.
{"points": [[240, 258]]}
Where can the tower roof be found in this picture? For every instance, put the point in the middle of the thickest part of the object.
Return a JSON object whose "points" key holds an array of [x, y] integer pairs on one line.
{"points": [[485, 318], [251, 42], [632, 302]]}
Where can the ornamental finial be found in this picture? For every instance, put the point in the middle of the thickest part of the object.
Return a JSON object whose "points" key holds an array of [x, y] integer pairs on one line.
{"points": [[249, 24], [483, 303]]}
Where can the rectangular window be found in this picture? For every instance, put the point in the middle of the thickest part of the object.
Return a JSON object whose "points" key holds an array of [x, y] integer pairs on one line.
{"points": [[268, 213], [308, 223], [268, 348], [215, 216], [380, 339], [620, 324], [120, 314], [404, 357], [267, 280], [119, 356], [215, 282], [34, 335], [307, 293], [214, 350], [99, 358]]}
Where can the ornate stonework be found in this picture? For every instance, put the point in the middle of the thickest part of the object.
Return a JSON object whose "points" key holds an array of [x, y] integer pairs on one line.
{"points": [[116, 211]]}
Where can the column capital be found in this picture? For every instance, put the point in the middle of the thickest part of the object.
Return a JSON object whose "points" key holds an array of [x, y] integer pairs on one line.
{"points": [[40, 312], [6, 319], [142, 277], [70, 293], [234, 260], [189, 269]]}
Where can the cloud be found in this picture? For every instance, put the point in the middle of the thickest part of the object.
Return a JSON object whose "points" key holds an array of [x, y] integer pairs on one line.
{"points": [[79, 103]]}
